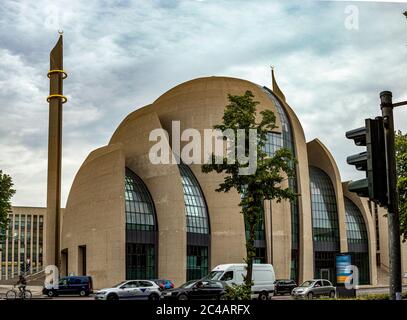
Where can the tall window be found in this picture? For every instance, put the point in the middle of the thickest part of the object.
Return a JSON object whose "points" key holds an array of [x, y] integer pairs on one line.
{"points": [[40, 240], [141, 229], [197, 261], [35, 234], [325, 225], [140, 261], [259, 237], [275, 142], [358, 244], [195, 207], [198, 235]]}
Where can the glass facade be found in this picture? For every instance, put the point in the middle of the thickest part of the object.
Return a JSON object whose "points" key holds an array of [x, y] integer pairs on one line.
{"points": [[139, 205], [141, 229], [325, 225], [24, 240], [197, 262], [358, 244], [140, 261], [259, 232], [195, 207], [198, 235], [324, 209], [275, 142], [259, 238]]}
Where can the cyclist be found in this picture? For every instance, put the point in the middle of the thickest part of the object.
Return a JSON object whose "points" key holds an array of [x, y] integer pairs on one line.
{"points": [[22, 283]]}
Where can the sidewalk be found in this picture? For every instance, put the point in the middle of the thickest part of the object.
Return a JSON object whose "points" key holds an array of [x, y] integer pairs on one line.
{"points": [[35, 290], [379, 286]]}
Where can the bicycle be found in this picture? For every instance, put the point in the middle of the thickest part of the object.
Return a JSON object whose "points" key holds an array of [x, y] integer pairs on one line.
{"points": [[20, 294]]}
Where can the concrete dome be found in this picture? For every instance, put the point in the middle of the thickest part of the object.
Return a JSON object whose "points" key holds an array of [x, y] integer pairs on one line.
{"points": [[199, 103]]}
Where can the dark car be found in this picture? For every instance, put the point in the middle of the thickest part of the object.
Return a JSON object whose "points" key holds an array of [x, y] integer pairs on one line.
{"points": [[80, 285], [164, 284], [197, 290], [283, 286]]}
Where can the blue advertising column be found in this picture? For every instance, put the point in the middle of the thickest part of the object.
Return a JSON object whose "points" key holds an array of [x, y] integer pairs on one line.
{"points": [[344, 274]]}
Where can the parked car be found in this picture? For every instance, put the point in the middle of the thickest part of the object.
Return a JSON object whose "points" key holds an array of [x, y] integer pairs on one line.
{"points": [[131, 289], [263, 277], [314, 288], [82, 285], [282, 286], [164, 284], [197, 290]]}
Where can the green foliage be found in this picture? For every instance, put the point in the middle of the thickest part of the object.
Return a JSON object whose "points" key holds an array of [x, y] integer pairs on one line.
{"points": [[405, 13], [6, 193], [238, 292], [266, 182], [401, 162]]}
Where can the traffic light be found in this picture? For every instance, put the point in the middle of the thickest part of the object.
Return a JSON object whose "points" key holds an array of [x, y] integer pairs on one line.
{"points": [[373, 161]]}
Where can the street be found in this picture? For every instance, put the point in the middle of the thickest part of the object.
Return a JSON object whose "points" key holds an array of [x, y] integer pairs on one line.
{"points": [[36, 291]]}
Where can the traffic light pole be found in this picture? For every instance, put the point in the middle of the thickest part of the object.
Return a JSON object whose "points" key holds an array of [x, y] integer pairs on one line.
{"points": [[392, 207]]}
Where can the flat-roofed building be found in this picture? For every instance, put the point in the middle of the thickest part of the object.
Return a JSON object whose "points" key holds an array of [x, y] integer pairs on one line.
{"points": [[24, 241]]}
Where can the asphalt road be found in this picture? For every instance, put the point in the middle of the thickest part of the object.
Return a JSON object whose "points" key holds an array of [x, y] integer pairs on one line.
{"points": [[37, 294]]}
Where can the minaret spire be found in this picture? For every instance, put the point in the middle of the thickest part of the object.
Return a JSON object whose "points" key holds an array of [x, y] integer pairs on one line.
{"points": [[56, 74], [276, 88]]}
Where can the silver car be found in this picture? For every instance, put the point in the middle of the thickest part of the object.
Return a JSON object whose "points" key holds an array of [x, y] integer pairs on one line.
{"points": [[131, 289], [314, 288]]}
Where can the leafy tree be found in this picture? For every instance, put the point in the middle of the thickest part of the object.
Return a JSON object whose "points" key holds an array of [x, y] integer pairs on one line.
{"points": [[266, 182], [401, 163], [405, 13], [6, 193]]}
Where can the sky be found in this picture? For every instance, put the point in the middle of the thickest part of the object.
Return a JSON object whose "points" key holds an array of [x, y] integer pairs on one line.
{"points": [[331, 59]]}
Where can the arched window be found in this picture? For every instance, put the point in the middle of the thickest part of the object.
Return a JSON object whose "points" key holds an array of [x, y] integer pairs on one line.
{"points": [[358, 244], [198, 232], [141, 229], [325, 226], [275, 142]]}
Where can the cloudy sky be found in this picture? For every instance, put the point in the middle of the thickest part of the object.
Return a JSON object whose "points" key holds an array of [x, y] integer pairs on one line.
{"points": [[121, 55]]}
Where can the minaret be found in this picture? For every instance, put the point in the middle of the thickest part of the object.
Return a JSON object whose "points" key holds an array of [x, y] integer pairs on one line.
{"points": [[276, 88], [55, 100]]}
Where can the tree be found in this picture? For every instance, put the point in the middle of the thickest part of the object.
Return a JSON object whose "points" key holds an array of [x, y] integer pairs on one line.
{"points": [[266, 181], [405, 13], [6, 193], [401, 163]]}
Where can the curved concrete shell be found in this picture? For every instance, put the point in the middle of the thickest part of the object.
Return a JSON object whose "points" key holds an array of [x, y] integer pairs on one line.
{"points": [[94, 221]]}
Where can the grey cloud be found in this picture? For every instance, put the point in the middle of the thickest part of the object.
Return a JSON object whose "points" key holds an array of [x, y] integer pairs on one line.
{"points": [[121, 55]]}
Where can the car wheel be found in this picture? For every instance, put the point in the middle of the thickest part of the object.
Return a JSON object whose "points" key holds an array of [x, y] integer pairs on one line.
{"points": [[182, 297], [310, 296], [332, 294], [82, 293], [153, 297], [50, 293], [263, 296], [112, 296]]}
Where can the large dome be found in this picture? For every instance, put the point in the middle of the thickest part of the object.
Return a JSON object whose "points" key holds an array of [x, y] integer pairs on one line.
{"points": [[199, 103], [184, 203]]}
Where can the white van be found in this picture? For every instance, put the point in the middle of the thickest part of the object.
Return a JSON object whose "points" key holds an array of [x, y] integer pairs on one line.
{"points": [[263, 277]]}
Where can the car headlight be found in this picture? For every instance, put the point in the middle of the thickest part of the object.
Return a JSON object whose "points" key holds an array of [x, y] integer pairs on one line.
{"points": [[101, 292]]}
